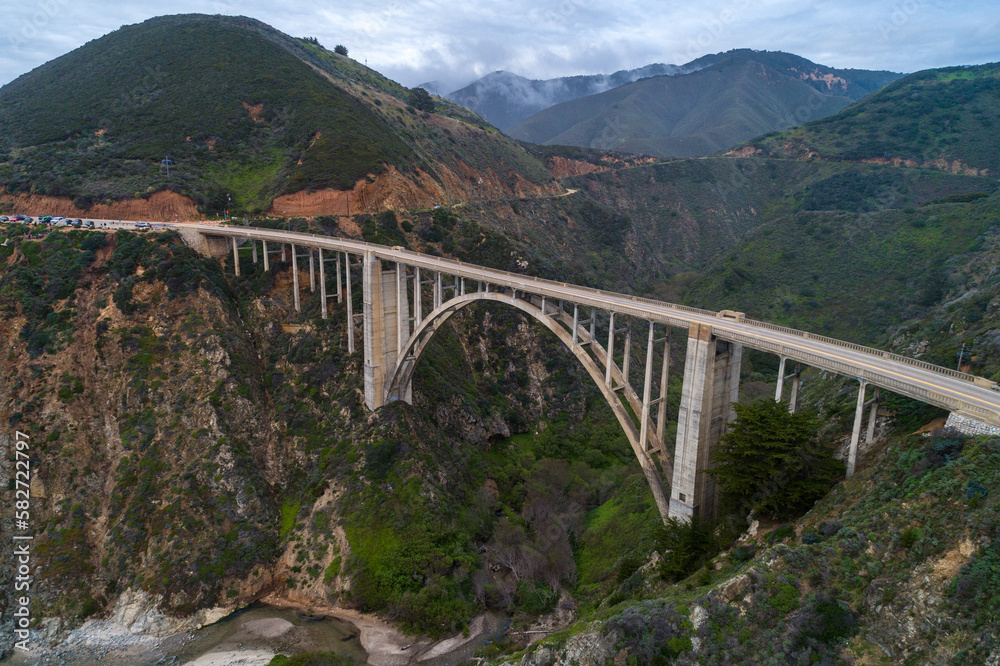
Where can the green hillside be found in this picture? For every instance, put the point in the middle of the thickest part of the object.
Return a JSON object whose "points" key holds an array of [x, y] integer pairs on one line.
{"points": [[737, 95], [862, 251], [237, 106], [950, 114]]}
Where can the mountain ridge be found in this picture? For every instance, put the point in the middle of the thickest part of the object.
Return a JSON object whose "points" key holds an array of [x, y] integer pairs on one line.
{"points": [[506, 99], [709, 109]]}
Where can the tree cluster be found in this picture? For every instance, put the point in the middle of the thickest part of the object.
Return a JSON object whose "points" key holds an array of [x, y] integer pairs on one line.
{"points": [[771, 461]]}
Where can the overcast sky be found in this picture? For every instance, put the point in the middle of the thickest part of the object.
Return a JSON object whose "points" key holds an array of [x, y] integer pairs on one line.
{"points": [[457, 41]]}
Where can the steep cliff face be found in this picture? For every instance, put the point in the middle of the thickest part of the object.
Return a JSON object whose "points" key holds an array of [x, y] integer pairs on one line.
{"points": [[197, 445], [126, 364]]}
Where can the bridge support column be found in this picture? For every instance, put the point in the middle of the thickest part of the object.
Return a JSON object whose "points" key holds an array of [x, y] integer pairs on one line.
{"points": [[647, 387], [793, 397], [340, 285], [711, 386], [386, 321], [418, 306], [781, 380], [322, 283], [374, 326], [350, 305], [253, 245], [236, 257], [312, 273], [610, 361], [628, 355], [402, 315], [295, 277], [267, 264], [872, 415], [859, 413], [661, 407]]}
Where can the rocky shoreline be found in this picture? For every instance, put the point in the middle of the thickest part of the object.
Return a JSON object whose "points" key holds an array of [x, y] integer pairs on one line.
{"points": [[250, 637]]}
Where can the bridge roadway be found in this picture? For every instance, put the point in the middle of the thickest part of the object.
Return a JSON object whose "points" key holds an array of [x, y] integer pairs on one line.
{"points": [[958, 392]]}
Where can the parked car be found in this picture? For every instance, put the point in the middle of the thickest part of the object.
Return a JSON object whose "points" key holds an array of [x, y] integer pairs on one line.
{"points": [[3, 218], [44, 219], [77, 223], [89, 224], [142, 226]]}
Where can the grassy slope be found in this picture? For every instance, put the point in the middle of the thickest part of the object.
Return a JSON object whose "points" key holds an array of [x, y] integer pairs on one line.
{"points": [[949, 114], [175, 86], [858, 272]]}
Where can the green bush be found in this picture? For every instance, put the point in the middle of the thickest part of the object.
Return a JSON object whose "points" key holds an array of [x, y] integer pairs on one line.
{"points": [[685, 546], [910, 537]]}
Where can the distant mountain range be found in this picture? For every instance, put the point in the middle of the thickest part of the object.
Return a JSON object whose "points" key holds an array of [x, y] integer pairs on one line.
{"points": [[707, 105], [507, 99]]}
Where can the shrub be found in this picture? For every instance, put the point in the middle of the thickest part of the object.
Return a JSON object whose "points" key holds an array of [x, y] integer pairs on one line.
{"points": [[786, 599], [824, 621], [628, 566], [780, 533], [829, 528], [686, 546], [910, 537], [653, 632]]}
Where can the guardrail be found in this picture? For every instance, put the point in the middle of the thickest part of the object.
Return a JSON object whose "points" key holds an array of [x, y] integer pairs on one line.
{"points": [[520, 281]]}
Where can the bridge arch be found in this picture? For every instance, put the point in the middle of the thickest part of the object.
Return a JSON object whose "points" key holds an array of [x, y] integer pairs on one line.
{"points": [[399, 378]]}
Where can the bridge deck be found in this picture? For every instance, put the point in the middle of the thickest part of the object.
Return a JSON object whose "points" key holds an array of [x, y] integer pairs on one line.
{"points": [[958, 392]]}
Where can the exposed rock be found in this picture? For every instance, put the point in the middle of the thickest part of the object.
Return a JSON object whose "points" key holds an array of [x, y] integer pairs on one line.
{"points": [[732, 589], [589, 649], [698, 616]]}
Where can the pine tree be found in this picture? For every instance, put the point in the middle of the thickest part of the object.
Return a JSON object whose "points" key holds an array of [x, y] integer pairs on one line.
{"points": [[772, 462]]}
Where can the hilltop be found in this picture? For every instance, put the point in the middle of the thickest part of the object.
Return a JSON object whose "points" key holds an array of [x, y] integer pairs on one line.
{"points": [[725, 99], [243, 112]]}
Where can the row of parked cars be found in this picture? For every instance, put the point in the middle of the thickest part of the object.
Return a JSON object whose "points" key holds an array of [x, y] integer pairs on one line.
{"points": [[54, 221]]}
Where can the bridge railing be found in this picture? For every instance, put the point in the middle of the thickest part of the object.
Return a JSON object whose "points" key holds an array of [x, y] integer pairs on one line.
{"points": [[516, 281], [917, 363]]}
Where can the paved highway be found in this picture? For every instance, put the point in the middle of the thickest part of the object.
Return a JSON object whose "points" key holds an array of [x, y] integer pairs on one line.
{"points": [[958, 392]]}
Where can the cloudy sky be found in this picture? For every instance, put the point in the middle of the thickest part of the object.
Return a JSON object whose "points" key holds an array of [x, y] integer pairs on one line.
{"points": [[457, 41]]}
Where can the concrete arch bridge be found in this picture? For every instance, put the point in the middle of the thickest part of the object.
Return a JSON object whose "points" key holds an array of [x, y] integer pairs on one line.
{"points": [[407, 296]]}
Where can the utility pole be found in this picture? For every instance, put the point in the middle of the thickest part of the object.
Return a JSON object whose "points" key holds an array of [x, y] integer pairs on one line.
{"points": [[961, 357]]}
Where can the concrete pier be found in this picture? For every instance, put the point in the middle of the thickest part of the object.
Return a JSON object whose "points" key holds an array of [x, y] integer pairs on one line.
{"points": [[295, 277], [859, 412], [711, 386]]}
